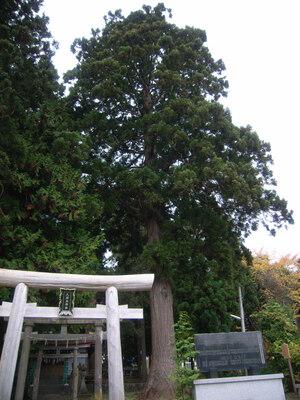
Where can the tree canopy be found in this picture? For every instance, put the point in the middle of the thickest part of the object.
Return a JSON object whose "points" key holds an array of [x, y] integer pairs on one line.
{"points": [[145, 92], [44, 210], [182, 185]]}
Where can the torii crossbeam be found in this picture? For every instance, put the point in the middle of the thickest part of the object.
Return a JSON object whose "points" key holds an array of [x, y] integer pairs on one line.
{"points": [[81, 315]]}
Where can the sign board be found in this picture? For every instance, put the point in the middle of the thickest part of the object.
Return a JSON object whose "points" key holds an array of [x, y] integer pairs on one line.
{"points": [[66, 302], [229, 351], [297, 317]]}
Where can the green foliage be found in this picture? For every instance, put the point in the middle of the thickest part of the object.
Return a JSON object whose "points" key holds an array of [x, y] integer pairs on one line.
{"points": [[294, 347], [184, 338], [165, 151], [185, 350], [276, 323], [46, 215]]}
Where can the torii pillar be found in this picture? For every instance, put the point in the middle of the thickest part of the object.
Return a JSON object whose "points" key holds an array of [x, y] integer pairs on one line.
{"points": [[12, 341], [114, 351]]}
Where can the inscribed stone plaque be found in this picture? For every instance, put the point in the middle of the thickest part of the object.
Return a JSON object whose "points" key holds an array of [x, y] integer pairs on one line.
{"points": [[229, 351]]}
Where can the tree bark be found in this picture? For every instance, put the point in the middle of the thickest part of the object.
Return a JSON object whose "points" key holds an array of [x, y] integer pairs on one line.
{"points": [[160, 385]]}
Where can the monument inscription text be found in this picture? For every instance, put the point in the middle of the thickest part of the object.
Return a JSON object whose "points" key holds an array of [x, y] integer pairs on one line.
{"points": [[229, 351]]}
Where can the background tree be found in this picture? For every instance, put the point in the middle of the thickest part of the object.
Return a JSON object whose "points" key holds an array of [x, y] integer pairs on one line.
{"points": [[46, 217], [278, 280], [178, 178], [278, 292]]}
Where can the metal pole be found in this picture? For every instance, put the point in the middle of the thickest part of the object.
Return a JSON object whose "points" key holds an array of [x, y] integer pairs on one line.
{"points": [[242, 315]]}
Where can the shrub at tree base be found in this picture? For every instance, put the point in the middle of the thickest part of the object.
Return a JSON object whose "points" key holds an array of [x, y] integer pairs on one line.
{"points": [[185, 352]]}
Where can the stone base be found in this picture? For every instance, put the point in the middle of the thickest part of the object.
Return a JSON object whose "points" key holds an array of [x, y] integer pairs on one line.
{"points": [[255, 387]]}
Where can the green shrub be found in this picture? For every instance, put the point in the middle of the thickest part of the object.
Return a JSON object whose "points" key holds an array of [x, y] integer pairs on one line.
{"points": [[277, 325], [185, 351]]}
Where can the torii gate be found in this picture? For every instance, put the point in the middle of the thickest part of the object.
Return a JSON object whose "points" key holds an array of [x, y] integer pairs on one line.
{"points": [[49, 315], [21, 280]]}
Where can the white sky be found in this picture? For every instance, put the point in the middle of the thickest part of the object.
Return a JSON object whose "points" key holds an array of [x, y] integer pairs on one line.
{"points": [[259, 42]]}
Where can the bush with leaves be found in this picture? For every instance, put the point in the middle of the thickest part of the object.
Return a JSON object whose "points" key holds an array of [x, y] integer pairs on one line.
{"points": [[185, 351], [276, 323]]}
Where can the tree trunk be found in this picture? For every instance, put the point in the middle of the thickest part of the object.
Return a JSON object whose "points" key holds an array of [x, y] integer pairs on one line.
{"points": [[160, 384]]}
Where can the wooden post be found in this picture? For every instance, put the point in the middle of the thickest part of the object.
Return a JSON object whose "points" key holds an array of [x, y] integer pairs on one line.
{"points": [[12, 341], [98, 363], [115, 365], [64, 329], [141, 342], [292, 375], [23, 363], [75, 375], [286, 354], [37, 373], [297, 318]]}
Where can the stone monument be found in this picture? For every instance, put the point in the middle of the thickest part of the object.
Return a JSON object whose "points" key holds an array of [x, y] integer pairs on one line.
{"points": [[229, 351]]}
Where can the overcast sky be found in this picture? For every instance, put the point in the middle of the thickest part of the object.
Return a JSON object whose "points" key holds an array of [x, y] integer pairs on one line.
{"points": [[258, 41]]}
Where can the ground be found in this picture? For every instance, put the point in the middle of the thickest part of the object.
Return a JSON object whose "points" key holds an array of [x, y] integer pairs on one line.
{"points": [[81, 397], [292, 396], [289, 396]]}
